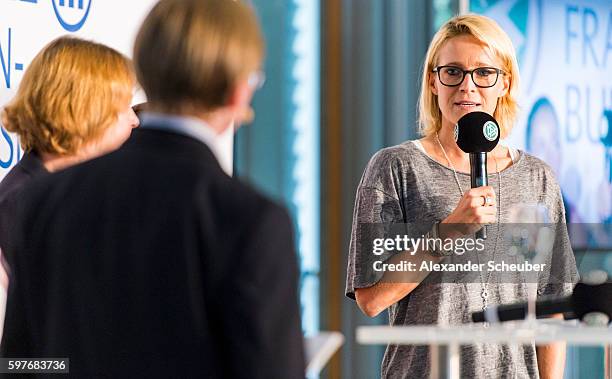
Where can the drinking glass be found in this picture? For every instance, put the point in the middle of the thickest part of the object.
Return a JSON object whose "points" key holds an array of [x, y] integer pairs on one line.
{"points": [[531, 238]]}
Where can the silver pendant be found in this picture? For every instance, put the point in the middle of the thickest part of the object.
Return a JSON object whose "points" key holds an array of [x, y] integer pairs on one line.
{"points": [[485, 296]]}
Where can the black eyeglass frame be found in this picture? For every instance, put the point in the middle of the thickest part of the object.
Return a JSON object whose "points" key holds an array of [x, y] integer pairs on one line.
{"points": [[471, 72]]}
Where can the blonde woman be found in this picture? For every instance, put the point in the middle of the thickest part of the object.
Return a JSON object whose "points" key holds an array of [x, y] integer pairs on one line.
{"points": [[470, 66], [73, 104]]}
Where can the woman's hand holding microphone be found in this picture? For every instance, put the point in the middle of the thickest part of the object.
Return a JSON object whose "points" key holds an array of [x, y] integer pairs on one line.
{"points": [[477, 207]]}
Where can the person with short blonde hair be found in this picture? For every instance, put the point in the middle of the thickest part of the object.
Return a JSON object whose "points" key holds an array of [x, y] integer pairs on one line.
{"points": [[73, 104], [175, 269], [424, 185], [202, 61], [493, 39]]}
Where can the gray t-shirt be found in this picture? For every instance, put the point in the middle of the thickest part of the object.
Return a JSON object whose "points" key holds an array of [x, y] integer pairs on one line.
{"points": [[402, 184]]}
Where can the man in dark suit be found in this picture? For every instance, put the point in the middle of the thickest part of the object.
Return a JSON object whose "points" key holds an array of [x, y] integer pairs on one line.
{"points": [[151, 261]]}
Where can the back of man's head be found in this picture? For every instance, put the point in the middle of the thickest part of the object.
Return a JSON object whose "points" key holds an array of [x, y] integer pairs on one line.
{"points": [[189, 54]]}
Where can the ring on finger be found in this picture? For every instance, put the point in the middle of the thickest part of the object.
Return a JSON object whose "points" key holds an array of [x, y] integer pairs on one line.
{"points": [[487, 200]]}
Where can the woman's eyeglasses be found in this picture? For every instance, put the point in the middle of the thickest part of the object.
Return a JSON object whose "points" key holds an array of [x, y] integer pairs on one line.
{"points": [[483, 77]]}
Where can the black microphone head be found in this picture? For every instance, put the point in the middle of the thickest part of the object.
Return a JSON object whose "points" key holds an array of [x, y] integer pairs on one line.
{"points": [[477, 132]]}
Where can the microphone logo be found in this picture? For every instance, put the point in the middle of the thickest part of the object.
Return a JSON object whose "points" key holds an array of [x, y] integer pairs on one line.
{"points": [[489, 130]]}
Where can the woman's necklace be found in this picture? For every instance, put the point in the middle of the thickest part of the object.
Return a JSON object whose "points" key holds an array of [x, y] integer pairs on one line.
{"points": [[484, 294]]}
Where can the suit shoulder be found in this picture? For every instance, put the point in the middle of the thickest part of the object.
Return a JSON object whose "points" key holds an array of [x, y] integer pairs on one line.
{"points": [[245, 199]]}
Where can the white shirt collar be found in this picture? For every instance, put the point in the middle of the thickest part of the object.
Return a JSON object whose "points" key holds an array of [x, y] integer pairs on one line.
{"points": [[220, 144]]}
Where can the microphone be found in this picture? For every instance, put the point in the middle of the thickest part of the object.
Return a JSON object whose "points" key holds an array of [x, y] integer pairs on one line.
{"points": [[585, 299], [477, 133]]}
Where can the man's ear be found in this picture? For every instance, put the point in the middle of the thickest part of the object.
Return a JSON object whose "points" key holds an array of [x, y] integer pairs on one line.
{"points": [[240, 95], [238, 103]]}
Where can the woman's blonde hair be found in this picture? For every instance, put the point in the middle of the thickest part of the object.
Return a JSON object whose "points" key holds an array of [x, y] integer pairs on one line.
{"points": [[189, 54], [489, 34], [71, 92]]}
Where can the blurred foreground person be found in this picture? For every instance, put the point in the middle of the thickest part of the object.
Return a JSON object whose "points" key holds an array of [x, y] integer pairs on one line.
{"points": [[73, 104], [151, 261]]}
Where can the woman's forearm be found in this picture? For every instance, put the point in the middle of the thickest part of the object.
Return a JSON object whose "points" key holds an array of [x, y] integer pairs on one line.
{"points": [[394, 285], [551, 358]]}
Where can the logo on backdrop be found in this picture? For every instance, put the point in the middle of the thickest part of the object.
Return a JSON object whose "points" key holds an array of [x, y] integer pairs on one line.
{"points": [[71, 14], [571, 114]]}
